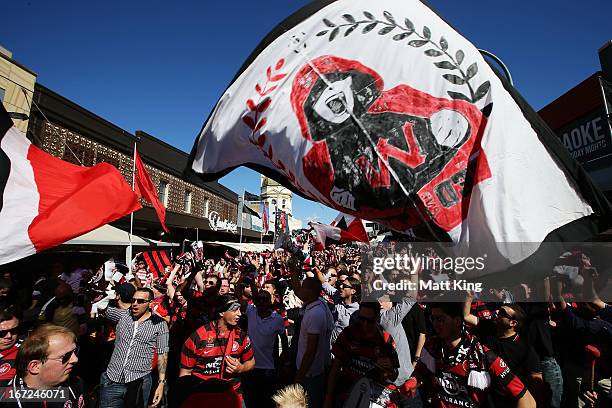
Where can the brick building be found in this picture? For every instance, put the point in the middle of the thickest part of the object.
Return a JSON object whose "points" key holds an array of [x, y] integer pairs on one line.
{"points": [[74, 134], [582, 120]]}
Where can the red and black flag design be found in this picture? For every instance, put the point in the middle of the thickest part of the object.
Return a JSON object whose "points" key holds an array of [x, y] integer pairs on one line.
{"points": [[383, 111], [45, 201], [157, 261]]}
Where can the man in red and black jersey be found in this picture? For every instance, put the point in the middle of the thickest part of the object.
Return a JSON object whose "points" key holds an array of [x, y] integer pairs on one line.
{"points": [[457, 371], [501, 335], [9, 345], [219, 349], [364, 349]]}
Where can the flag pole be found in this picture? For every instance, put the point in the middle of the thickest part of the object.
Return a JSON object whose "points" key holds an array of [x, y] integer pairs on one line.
{"points": [[261, 206], [240, 219], [128, 257]]}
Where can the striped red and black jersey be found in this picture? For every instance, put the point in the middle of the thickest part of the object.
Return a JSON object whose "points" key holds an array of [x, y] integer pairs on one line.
{"points": [[159, 306], [205, 350], [178, 312], [463, 376], [358, 358], [7, 364]]}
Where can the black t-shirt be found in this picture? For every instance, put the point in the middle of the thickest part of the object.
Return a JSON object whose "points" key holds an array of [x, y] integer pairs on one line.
{"points": [[67, 395], [537, 329], [520, 356], [414, 324]]}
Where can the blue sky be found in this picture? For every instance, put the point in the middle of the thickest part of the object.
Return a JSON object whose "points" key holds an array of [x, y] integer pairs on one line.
{"points": [[160, 66]]}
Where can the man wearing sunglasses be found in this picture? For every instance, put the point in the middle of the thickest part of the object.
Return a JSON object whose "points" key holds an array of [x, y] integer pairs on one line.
{"points": [[9, 329], [458, 370], [501, 334], [44, 362], [349, 293], [127, 381], [218, 350]]}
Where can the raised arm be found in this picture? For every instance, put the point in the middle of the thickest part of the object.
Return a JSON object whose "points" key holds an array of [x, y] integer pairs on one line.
{"points": [[169, 283], [468, 317]]}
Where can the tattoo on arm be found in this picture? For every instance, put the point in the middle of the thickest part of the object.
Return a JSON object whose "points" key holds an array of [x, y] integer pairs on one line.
{"points": [[162, 363]]}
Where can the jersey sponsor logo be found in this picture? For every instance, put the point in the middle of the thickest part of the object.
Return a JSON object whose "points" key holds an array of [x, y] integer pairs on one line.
{"points": [[450, 385]]}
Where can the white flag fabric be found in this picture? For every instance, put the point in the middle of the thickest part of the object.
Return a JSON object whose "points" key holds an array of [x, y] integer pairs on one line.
{"points": [[383, 111]]}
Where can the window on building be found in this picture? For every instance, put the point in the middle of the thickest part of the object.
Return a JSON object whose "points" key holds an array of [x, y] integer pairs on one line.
{"points": [[2, 91], [284, 203], [187, 201], [206, 203], [163, 192], [274, 202]]}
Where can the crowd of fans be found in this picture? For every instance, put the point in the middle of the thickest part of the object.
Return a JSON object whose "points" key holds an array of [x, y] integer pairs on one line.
{"points": [[279, 329]]}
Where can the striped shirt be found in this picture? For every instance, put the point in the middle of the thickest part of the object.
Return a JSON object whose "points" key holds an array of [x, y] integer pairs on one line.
{"points": [[134, 345], [7, 364], [464, 376], [205, 350]]}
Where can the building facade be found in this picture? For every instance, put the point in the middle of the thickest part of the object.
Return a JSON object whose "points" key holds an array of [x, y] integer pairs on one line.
{"points": [[581, 119], [16, 88], [195, 209], [278, 197]]}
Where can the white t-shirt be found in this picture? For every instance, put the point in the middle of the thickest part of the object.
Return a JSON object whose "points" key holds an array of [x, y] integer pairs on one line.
{"points": [[262, 333], [317, 320]]}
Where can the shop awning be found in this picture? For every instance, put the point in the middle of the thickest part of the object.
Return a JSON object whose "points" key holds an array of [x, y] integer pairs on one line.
{"points": [[156, 243], [107, 235], [244, 246]]}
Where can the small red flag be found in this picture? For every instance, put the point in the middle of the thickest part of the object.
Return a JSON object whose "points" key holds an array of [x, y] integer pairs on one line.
{"points": [[266, 226], [145, 189]]}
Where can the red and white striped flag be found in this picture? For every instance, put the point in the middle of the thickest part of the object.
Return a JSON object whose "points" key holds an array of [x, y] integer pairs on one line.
{"points": [[45, 201], [345, 228]]}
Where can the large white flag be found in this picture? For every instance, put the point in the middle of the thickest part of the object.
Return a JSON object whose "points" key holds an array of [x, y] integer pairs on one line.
{"points": [[383, 111]]}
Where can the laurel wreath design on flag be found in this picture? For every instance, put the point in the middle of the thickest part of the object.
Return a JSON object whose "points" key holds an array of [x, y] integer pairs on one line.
{"points": [[256, 120], [451, 63]]}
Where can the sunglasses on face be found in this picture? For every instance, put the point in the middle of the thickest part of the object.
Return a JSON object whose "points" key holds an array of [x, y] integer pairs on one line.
{"points": [[502, 313], [140, 301], [66, 357], [333, 275], [211, 282], [345, 286], [12, 331]]}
